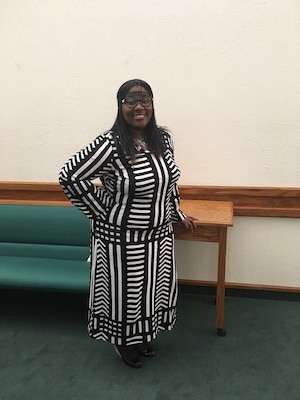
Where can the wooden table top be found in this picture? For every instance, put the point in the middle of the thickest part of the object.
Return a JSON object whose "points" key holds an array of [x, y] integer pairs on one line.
{"points": [[207, 212]]}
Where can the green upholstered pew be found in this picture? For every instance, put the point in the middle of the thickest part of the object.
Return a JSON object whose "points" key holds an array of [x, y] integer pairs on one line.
{"points": [[44, 247]]}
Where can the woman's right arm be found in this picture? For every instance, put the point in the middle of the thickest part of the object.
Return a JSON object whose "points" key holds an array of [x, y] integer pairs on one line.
{"points": [[81, 169]]}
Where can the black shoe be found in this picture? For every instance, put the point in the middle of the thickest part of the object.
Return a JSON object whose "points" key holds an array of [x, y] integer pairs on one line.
{"points": [[145, 350], [129, 355]]}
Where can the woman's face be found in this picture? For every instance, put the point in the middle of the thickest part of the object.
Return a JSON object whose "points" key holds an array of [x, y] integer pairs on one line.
{"points": [[138, 116]]}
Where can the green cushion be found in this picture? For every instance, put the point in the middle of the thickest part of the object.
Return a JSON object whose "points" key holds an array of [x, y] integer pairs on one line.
{"points": [[43, 224], [45, 251], [44, 247], [43, 273]]}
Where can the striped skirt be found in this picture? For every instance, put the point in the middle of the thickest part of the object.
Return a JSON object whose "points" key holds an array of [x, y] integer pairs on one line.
{"points": [[133, 287]]}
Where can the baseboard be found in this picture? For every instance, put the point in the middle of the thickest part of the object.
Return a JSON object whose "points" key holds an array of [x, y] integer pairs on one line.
{"points": [[241, 290], [7, 294]]}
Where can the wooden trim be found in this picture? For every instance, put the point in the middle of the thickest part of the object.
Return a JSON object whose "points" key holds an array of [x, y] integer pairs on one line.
{"points": [[36, 193], [244, 286], [247, 201], [250, 201]]}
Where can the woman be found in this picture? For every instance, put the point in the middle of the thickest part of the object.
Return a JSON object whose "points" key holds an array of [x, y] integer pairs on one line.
{"points": [[133, 287]]}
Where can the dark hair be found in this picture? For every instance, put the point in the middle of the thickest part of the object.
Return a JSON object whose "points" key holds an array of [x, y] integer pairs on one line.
{"points": [[120, 127]]}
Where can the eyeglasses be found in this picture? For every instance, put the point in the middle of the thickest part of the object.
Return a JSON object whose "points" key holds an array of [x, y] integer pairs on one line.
{"points": [[132, 102]]}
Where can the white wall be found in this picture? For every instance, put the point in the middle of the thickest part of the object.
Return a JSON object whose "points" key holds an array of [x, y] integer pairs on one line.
{"points": [[226, 80], [261, 251]]}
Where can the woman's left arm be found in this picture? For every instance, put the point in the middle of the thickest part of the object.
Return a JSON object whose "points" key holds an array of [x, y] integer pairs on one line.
{"points": [[180, 217], [177, 215]]}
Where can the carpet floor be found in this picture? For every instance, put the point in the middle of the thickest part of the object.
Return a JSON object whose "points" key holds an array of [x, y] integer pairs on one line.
{"points": [[46, 354]]}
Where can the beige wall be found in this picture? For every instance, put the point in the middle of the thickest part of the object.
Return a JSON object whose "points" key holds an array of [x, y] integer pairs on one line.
{"points": [[226, 80]]}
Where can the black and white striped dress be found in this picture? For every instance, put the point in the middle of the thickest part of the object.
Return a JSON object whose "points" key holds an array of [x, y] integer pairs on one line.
{"points": [[133, 288]]}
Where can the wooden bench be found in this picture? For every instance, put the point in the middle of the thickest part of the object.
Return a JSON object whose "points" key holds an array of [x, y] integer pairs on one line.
{"points": [[212, 220]]}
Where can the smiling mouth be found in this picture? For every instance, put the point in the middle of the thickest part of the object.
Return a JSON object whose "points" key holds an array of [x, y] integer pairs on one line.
{"points": [[139, 116]]}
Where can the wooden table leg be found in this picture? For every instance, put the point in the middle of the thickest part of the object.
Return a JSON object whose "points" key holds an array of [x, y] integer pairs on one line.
{"points": [[220, 297]]}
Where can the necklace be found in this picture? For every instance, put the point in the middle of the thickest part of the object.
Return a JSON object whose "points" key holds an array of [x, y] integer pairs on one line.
{"points": [[141, 142]]}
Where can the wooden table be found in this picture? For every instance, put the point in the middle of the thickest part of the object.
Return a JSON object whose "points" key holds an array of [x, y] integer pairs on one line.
{"points": [[212, 220]]}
